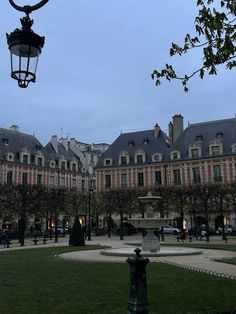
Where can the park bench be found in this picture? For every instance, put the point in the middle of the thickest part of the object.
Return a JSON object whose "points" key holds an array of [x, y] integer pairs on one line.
{"points": [[43, 240], [5, 243]]}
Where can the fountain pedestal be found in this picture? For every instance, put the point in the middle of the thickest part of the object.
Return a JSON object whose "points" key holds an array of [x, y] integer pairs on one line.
{"points": [[151, 241]]}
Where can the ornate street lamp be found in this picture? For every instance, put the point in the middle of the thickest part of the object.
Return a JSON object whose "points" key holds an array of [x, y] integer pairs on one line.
{"points": [[25, 47]]}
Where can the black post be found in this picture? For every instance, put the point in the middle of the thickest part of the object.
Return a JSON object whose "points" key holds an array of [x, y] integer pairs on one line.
{"points": [[138, 303]]}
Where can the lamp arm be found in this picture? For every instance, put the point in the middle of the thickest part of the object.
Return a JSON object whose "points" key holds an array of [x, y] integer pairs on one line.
{"points": [[27, 8]]}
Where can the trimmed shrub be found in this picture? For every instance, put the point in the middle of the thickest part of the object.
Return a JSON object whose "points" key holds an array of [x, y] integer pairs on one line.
{"points": [[76, 234]]}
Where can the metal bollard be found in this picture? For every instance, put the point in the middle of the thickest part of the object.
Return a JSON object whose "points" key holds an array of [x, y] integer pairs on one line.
{"points": [[138, 303]]}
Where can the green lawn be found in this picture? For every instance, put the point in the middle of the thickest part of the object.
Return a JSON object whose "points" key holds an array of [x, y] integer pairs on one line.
{"points": [[34, 281]]}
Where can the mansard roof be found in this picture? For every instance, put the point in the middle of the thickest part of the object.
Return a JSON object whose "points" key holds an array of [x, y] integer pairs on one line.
{"points": [[206, 133], [133, 142], [15, 141], [195, 135], [62, 152]]}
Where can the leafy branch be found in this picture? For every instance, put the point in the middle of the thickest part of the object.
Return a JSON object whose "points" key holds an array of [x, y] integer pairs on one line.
{"points": [[218, 46]]}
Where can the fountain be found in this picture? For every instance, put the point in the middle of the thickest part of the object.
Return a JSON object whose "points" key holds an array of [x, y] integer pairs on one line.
{"points": [[151, 240]]}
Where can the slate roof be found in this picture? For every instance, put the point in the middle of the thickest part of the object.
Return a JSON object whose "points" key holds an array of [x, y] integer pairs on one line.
{"points": [[157, 144], [209, 132], [206, 131], [15, 141], [12, 141], [52, 154]]}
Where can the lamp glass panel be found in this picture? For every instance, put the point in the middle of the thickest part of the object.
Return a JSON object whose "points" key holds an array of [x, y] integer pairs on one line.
{"points": [[24, 68], [23, 51]]}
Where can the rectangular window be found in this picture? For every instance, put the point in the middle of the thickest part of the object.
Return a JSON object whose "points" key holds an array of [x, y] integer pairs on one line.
{"points": [[217, 173], [39, 179], [74, 167], [40, 161], [194, 153], [158, 177], [176, 176], [24, 178], [123, 160], [82, 185], [139, 159], [196, 175], [74, 183], [63, 165], [107, 181], [25, 159], [9, 177], [140, 179], [63, 182], [215, 150], [123, 179], [51, 181]]}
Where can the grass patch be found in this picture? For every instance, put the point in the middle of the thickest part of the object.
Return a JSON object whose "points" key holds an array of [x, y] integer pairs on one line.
{"points": [[35, 281]]}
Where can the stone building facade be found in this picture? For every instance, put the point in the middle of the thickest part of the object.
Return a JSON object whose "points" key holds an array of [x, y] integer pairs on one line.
{"points": [[200, 153], [24, 160]]}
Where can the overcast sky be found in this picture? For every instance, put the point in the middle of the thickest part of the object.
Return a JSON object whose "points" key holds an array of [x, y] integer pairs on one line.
{"points": [[94, 73]]}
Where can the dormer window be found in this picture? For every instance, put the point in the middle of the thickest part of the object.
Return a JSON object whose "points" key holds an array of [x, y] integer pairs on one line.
{"points": [[52, 164], [10, 157], [63, 165], [108, 162], [131, 143], [140, 156], [139, 159], [38, 147], [219, 135], [5, 141], [233, 147], [195, 150], [123, 160], [74, 166], [216, 147], [199, 137], [25, 159], [40, 161], [175, 155], [194, 153], [215, 150], [157, 157], [146, 141]]}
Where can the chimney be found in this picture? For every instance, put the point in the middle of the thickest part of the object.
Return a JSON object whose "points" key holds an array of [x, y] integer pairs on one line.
{"points": [[156, 130], [64, 142], [14, 127], [170, 127], [178, 126], [54, 143]]}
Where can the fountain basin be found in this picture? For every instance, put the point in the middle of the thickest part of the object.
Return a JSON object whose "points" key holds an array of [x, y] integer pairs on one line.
{"points": [[164, 251], [149, 223]]}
